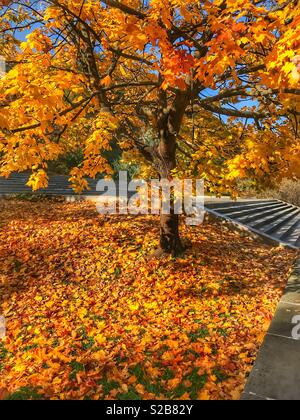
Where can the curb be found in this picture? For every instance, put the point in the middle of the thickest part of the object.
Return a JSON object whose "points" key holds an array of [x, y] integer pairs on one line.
{"points": [[276, 373]]}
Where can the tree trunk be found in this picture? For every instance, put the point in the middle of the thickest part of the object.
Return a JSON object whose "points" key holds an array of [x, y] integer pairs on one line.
{"points": [[170, 242], [168, 126]]}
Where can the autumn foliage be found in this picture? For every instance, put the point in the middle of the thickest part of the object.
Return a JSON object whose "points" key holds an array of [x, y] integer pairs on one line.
{"points": [[135, 73], [90, 316], [207, 89]]}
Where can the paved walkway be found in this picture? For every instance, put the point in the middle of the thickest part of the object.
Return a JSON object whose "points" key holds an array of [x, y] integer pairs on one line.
{"points": [[276, 374]]}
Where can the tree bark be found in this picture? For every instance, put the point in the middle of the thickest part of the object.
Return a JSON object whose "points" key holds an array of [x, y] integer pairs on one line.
{"points": [[170, 242], [168, 126]]}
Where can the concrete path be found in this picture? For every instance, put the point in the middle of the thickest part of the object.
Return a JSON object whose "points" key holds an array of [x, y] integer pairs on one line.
{"points": [[276, 374]]}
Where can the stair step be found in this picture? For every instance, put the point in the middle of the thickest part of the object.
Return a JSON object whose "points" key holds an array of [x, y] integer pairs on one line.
{"points": [[279, 224], [248, 209], [294, 236], [259, 213], [288, 230], [274, 219], [227, 204], [264, 223]]}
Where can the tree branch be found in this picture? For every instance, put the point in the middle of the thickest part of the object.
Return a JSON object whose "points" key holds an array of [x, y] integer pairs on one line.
{"points": [[124, 8]]}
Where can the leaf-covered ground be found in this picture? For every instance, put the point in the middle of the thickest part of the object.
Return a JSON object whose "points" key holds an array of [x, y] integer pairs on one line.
{"points": [[89, 315]]}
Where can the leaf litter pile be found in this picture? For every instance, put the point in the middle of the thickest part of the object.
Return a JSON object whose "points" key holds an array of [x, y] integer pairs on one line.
{"points": [[90, 316]]}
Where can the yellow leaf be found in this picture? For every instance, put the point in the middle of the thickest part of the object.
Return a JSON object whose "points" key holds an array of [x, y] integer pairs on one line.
{"points": [[100, 339], [204, 396], [106, 81], [82, 313], [133, 306]]}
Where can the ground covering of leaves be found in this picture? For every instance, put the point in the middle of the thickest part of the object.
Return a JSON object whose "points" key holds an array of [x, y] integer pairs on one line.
{"points": [[89, 315]]}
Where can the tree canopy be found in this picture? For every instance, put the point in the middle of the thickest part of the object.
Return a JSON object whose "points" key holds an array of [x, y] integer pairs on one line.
{"points": [[151, 76]]}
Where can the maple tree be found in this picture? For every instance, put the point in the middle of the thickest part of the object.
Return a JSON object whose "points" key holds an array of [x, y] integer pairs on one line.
{"points": [[132, 71]]}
